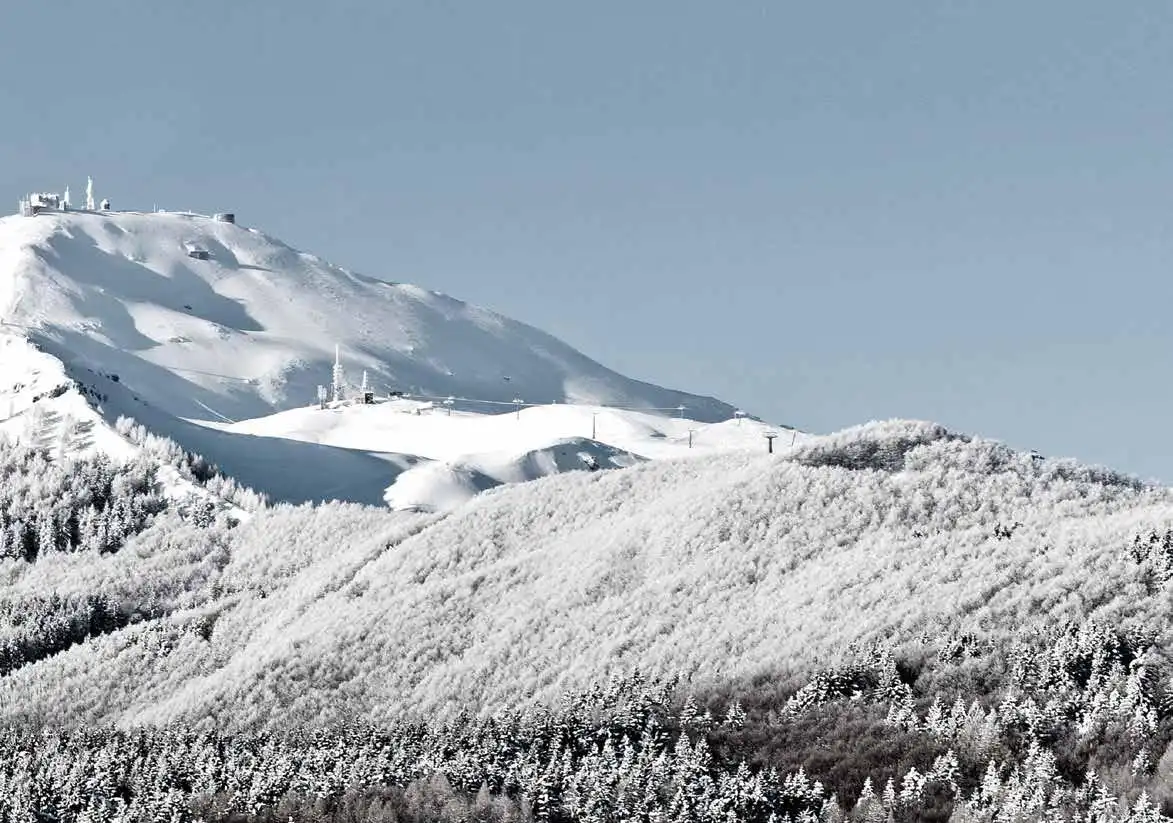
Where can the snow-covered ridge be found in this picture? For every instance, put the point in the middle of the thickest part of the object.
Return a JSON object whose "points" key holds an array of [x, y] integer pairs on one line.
{"points": [[253, 328], [218, 336], [719, 567]]}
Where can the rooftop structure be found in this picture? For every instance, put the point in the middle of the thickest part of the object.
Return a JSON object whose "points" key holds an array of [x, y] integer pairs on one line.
{"points": [[36, 202]]}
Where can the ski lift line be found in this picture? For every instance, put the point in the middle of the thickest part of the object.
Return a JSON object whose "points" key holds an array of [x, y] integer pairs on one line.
{"points": [[206, 373], [696, 431], [470, 400], [530, 405], [213, 411], [510, 403]]}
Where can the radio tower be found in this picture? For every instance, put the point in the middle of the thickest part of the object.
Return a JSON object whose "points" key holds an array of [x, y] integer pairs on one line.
{"points": [[338, 375], [89, 194]]}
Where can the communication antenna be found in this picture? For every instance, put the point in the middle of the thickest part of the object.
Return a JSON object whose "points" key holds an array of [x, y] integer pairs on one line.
{"points": [[89, 194], [339, 391]]}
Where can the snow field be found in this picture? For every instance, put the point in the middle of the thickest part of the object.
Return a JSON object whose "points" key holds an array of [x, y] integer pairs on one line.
{"points": [[454, 455]]}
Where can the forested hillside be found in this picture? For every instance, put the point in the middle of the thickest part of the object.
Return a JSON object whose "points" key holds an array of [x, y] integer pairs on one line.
{"points": [[1069, 724], [985, 629]]}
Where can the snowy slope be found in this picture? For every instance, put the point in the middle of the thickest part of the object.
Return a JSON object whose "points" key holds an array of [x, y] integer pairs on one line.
{"points": [[183, 344], [253, 329], [35, 398], [435, 433], [40, 404], [450, 456], [718, 567]]}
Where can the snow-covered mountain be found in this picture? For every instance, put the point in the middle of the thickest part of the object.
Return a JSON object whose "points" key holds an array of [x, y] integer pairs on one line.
{"points": [[252, 329], [500, 567], [210, 333]]}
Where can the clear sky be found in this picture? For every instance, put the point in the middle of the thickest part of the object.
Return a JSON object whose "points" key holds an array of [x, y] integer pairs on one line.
{"points": [[825, 212]]}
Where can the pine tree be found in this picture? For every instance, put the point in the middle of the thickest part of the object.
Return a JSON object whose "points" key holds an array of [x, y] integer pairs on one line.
{"points": [[911, 788], [339, 378], [1143, 811], [831, 812], [735, 717], [689, 714], [868, 808]]}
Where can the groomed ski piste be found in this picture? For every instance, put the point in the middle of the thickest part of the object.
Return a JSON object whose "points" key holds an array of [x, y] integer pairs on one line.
{"points": [[450, 455], [219, 337]]}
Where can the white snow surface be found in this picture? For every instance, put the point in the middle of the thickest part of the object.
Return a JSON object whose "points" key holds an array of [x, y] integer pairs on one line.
{"points": [[450, 456], [717, 568], [224, 354]]}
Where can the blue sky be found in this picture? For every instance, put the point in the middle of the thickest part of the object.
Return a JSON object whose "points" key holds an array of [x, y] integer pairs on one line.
{"points": [[824, 212]]}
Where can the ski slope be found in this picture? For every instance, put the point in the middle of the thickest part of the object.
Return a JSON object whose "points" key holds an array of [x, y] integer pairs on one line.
{"points": [[224, 354], [449, 456]]}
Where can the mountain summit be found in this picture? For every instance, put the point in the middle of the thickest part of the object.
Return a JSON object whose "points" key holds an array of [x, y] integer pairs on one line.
{"points": [[220, 338], [207, 319]]}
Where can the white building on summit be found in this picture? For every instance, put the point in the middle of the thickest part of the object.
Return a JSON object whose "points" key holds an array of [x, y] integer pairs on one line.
{"points": [[37, 202]]}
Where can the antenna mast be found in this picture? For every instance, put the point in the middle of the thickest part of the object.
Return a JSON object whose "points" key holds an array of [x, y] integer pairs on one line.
{"points": [[338, 375]]}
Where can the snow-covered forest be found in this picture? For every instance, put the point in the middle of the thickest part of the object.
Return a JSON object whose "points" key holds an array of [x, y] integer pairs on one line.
{"points": [[1072, 723], [896, 621], [89, 504]]}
